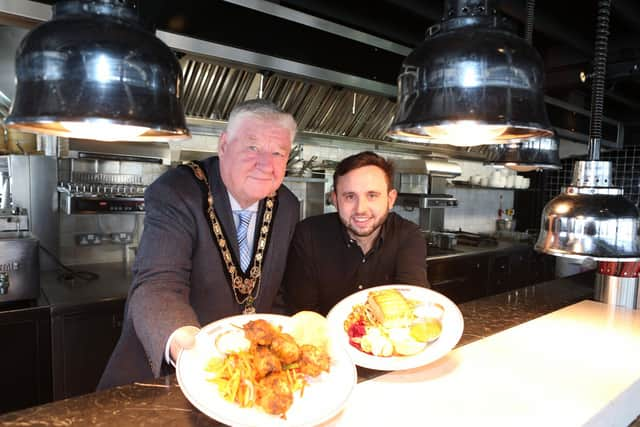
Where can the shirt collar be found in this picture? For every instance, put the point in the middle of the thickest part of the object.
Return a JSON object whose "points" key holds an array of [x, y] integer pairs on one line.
{"points": [[235, 206]]}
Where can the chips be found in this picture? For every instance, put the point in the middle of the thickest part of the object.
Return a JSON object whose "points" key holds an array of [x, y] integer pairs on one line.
{"points": [[309, 327]]}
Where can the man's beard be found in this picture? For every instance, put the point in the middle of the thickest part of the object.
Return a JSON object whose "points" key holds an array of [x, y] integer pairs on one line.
{"points": [[376, 226]]}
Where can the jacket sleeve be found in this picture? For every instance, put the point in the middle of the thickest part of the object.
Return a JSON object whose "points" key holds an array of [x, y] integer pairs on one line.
{"points": [[411, 259], [159, 298], [300, 290]]}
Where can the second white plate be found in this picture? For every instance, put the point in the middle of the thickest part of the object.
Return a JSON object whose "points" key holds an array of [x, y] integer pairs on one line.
{"points": [[452, 327]]}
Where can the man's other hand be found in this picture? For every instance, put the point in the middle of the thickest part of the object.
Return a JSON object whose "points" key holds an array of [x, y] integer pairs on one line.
{"points": [[183, 338]]}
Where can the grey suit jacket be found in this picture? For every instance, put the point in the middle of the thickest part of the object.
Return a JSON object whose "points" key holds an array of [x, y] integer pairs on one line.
{"points": [[179, 278]]}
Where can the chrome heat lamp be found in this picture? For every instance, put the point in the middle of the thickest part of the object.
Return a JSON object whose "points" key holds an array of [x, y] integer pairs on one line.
{"points": [[591, 219]]}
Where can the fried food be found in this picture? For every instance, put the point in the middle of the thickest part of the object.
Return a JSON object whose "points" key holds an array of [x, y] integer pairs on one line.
{"points": [[260, 332], [265, 362], [274, 393], [286, 348], [270, 371], [313, 361]]}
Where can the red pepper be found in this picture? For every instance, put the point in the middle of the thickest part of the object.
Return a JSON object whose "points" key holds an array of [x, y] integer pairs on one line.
{"points": [[355, 332]]}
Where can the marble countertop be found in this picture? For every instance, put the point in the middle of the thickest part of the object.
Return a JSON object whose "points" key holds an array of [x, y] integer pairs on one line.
{"points": [[160, 402]]}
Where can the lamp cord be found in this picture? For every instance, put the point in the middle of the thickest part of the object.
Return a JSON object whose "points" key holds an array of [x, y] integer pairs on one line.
{"points": [[528, 32], [68, 273], [599, 74]]}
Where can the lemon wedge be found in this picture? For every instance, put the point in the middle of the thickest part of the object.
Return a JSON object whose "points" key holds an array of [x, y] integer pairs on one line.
{"points": [[426, 330]]}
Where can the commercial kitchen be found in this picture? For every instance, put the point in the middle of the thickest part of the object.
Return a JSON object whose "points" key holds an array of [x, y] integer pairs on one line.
{"points": [[531, 220]]}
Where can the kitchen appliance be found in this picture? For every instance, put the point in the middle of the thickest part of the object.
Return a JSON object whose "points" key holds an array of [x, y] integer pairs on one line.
{"points": [[103, 177], [505, 224], [475, 239], [29, 200], [591, 219], [617, 283], [19, 268], [96, 70], [460, 87], [24, 181], [421, 184], [85, 199], [443, 240], [525, 155]]}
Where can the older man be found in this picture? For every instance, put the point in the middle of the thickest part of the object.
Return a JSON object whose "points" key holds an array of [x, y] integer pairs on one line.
{"points": [[360, 246], [195, 264]]}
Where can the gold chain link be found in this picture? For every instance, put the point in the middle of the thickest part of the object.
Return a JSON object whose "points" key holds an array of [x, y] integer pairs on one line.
{"points": [[240, 284]]}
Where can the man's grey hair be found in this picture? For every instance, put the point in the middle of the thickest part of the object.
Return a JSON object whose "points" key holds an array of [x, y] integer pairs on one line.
{"points": [[265, 109]]}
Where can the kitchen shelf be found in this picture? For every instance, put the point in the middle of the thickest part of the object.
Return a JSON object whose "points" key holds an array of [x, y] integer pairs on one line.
{"points": [[463, 184]]}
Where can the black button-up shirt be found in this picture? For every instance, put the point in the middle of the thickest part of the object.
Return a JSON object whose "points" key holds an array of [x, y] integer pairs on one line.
{"points": [[325, 264]]}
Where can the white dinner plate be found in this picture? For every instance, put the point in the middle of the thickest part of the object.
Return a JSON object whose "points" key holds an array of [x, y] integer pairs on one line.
{"points": [[324, 396], [452, 327]]}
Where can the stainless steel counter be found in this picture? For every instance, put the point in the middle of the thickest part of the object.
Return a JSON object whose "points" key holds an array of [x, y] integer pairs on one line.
{"points": [[112, 282], [466, 250]]}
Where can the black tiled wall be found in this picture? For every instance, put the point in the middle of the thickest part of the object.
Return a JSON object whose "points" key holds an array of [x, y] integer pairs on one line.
{"points": [[626, 173]]}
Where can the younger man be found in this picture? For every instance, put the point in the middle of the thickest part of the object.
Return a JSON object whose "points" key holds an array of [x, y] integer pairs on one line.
{"points": [[361, 246]]}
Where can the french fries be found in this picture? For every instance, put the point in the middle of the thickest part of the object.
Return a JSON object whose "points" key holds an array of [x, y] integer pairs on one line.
{"points": [[264, 375]]}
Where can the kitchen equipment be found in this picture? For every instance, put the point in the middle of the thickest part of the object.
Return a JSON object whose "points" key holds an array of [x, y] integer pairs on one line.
{"points": [[591, 219], [505, 224], [4, 190], [475, 239], [30, 207], [443, 240], [19, 268], [103, 177], [90, 198], [459, 88], [124, 84], [422, 184], [617, 283], [525, 155]]}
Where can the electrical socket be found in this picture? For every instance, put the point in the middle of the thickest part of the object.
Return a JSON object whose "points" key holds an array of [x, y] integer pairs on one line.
{"points": [[122, 238], [88, 239]]}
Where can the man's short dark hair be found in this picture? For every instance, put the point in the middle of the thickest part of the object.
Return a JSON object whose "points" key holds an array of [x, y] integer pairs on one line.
{"points": [[365, 158]]}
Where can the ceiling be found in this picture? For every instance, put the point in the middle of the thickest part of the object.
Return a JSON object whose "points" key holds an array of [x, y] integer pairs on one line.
{"points": [[563, 35]]}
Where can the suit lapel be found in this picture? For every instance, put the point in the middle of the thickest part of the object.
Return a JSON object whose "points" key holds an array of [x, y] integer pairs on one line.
{"points": [[223, 206]]}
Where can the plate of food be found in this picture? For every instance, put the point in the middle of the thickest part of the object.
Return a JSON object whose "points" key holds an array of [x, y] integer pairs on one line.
{"points": [[267, 370], [396, 327]]}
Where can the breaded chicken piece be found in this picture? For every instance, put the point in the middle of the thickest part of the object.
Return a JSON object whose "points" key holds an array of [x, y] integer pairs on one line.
{"points": [[274, 394], [285, 347], [260, 332], [266, 362], [313, 361]]}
